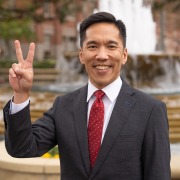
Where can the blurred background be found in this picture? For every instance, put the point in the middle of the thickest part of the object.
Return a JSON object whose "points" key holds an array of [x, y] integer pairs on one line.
{"points": [[153, 42]]}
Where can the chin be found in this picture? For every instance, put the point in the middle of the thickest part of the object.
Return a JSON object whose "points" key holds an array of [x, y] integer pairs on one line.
{"points": [[102, 84]]}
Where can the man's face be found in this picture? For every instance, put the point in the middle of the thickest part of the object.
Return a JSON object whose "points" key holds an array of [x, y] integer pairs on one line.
{"points": [[102, 54]]}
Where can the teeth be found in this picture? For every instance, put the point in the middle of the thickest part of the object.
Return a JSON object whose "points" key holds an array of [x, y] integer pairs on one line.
{"points": [[102, 67]]}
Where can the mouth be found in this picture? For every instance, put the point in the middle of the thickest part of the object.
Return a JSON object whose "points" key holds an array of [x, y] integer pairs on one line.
{"points": [[102, 67]]}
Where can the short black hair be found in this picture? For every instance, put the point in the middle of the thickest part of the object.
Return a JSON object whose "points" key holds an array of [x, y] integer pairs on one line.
{"points": [[101, 17]]}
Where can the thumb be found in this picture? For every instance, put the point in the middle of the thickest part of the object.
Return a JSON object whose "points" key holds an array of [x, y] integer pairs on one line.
{"points": [[19, 71], [22, 73]]}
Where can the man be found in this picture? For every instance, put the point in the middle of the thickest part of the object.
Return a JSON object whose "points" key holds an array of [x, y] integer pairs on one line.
{"points": [[125, 139]]}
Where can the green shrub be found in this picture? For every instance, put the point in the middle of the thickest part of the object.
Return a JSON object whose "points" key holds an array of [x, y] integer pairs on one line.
{"points": [[36, 64], [45, 64]]}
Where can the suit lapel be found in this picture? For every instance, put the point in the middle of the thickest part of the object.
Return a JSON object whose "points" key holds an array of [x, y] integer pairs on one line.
{"points": [[80, 120], [119, 117]]}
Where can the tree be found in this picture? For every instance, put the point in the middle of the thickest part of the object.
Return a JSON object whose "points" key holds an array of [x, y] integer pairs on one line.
{"points": [[13, 25], [11, 29]]}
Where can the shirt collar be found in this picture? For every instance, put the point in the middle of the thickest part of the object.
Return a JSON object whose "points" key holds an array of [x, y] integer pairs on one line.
{"points": [[111, 91]]}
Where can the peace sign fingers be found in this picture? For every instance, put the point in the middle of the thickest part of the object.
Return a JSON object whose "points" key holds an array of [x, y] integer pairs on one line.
{"points": [[30, 56]]}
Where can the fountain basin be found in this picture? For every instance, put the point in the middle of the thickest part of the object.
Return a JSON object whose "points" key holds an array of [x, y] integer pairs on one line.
{"points": [[27, 168], [153, 73]]}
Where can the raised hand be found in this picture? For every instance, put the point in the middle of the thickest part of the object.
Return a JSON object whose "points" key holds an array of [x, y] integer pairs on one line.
{"points": [[21, 73]]}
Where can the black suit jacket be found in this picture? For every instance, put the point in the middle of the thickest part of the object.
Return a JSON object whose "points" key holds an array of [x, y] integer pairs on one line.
{"points": [[135, 145]]}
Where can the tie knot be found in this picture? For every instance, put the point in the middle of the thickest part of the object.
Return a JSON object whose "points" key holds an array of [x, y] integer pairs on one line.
{"points": [[99, 94]]}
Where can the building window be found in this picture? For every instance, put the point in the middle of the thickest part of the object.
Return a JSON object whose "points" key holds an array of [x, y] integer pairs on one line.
{"points": [[47, 10]]}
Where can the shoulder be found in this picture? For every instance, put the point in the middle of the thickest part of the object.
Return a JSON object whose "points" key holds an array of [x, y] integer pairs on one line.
{"points": [[140, 96], [146, 97]]}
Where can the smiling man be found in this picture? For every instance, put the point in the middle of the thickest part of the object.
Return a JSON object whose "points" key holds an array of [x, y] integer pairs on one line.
{"points": [[103, 53], [106, 130]]}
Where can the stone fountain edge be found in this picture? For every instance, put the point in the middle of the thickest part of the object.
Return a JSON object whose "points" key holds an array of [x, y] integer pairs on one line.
{"points": [[28, 165]]}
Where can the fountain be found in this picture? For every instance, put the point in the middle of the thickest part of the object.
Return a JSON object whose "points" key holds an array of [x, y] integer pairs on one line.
{"points": [[141, 30], [70, 77], [154, 73]]}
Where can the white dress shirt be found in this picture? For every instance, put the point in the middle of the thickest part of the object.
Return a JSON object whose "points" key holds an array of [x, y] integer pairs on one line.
{"points": [[14, 108], [111, 92], [109, 99]]}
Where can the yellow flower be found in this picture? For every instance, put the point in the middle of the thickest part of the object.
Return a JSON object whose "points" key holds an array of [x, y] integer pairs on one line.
{"points": [[53, 153], [46, 155], [56, 156]]}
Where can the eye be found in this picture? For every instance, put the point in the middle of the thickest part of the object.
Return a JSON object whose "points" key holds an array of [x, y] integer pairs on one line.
{"points": [[92, 47], [112, 47]]}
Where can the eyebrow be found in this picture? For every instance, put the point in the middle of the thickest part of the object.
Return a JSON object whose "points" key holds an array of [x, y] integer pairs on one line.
{"points": [[112, 42], [91, 42]]}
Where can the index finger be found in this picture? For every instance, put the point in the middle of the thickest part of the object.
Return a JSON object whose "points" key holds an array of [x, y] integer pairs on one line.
{"points": [[18, 51], [30, 56]]}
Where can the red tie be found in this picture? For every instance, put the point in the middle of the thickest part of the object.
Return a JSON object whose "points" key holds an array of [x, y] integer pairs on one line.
{"points": [[95, 126]]}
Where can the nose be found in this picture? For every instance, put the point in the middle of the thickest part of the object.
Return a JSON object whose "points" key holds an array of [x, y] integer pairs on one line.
{"points": [[102, 53]]}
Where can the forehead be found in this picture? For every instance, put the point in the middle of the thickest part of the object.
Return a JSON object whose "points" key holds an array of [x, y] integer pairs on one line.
{"points": [[102, 32]]}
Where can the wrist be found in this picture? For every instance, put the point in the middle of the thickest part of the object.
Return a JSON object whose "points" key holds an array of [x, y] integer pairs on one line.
{"points": [[20, 97]]}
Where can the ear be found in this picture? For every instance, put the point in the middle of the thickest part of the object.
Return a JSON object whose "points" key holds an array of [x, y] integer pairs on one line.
{"points": [[81, 56], [125, 55]]}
